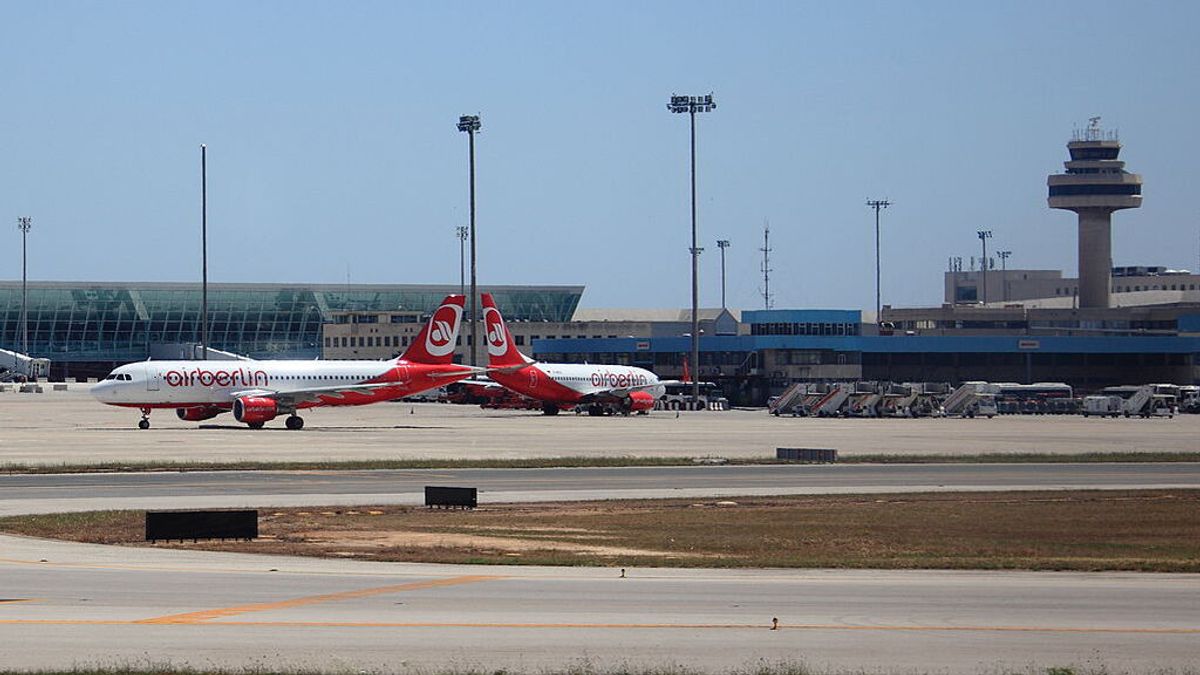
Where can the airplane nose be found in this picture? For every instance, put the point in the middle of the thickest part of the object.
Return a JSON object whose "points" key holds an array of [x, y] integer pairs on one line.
{"points": [[102, 391]]}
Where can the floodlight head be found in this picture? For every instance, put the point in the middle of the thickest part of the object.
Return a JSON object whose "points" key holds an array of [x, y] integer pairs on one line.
{"points": [[24, 223], [691, 104], [723, 243], [468, 123], [984, 234]]}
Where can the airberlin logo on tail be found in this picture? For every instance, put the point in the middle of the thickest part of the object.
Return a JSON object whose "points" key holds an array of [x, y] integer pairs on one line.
{"points": [[497, 337], [439, 341], [221, 378]]}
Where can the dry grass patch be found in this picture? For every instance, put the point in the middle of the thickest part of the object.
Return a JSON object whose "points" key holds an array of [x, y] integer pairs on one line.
{"points": [[1144, 530]]}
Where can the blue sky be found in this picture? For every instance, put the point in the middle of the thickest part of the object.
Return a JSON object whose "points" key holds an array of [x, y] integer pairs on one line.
{"points": [[333, 149]]}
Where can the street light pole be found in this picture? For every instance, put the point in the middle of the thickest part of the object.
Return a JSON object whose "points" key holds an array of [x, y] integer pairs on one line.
{"points": [[203, 252], [877, 204], [24, 224], [984, 235], [723, 244], [461, 232], [1004, 273], [692, 105], [470, 124]]}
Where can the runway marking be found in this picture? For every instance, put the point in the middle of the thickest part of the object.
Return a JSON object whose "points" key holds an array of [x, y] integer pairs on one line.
{"points": [[625, 626], [4, 600], [210, 614]]}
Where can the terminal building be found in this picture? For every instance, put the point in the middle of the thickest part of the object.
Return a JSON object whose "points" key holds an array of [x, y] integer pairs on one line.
{"points": [[86, 328]]}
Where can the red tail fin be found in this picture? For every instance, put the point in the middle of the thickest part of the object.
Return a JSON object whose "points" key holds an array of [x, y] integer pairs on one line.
{"points": [[501, 350], [436, 341]]}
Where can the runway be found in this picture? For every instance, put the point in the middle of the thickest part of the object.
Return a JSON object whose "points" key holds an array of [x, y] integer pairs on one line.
{"points": [[77, 492], [81, 604]]}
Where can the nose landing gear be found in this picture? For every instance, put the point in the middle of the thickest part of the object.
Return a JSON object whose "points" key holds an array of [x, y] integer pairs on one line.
{"points": [[144, 423]]}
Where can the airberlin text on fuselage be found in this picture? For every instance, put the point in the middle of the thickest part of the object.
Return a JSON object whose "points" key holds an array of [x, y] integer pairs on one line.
{"points": [[220, 378], [619, 379]]}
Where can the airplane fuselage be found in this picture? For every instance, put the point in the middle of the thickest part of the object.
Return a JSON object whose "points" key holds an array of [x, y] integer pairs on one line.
{"points": [[184, 384], [569, 383]]}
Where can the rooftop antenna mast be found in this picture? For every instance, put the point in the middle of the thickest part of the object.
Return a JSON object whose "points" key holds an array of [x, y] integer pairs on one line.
{"points": [[768, 301]]}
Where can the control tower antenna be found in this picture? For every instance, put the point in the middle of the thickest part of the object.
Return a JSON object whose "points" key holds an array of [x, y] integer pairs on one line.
{"points": [[768, 301], [1094, 185]]}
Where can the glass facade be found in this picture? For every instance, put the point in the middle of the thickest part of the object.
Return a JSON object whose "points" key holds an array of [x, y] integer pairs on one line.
{"points": [[117, 322]]}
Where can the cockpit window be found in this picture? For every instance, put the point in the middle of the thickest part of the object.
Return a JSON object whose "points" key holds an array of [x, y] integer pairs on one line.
{"points": [[126, 377]]}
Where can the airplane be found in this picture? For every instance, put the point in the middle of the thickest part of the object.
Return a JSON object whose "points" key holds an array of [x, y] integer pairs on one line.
{"points": [[602, 389], [258, 391]]}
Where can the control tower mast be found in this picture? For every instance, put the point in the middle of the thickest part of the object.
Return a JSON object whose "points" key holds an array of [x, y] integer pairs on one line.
{"points": [[1095, 184]]}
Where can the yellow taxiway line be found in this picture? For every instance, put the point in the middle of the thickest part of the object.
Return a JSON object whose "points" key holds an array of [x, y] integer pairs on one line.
{"points": [[210, 614]]}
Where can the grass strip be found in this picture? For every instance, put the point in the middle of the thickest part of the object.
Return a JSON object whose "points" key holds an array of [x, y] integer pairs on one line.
{"points": [[1078, 530], [583, 462]]}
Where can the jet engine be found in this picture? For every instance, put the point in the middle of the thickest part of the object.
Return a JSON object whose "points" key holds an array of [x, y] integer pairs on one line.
{"points": [[255, 409], [198, 414], [640, 400]]}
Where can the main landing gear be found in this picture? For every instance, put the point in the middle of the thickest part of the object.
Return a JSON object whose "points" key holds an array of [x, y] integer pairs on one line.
{"points": [[144, 423], [549, 408], [295, 422]]}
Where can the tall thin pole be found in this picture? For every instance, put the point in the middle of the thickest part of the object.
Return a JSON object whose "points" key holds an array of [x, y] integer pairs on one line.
{"points": [[692, 105], [877, 204], [24, 224], [766, 264], [723, 244], [695, 277], [1004, 273], [984, 235], [462, 231], [470, 124], [204, 252]]}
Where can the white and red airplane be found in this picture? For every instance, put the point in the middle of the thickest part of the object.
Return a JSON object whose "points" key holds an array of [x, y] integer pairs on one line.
{"points": [[602, 389], [259, 391]]}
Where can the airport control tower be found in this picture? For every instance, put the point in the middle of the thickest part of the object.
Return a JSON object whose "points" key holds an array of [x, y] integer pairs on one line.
{"points": [[1094, 185]]}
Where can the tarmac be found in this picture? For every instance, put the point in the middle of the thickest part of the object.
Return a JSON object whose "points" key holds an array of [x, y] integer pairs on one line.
{"points": [[54, 493], [57, 427], [80, 605]]}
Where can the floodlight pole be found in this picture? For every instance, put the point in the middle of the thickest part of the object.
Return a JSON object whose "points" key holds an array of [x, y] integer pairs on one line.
{"points": [[877, 204], [1004, 273], [723, 244], [461, 232], [470, 124], [24, 223], [984, 235], [692, 105], [203, 252]]}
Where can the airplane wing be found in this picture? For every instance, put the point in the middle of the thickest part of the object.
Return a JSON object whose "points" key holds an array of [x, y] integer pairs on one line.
{"points": [[620, 392], [314, 394], [487, 384], [509, 369]]}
